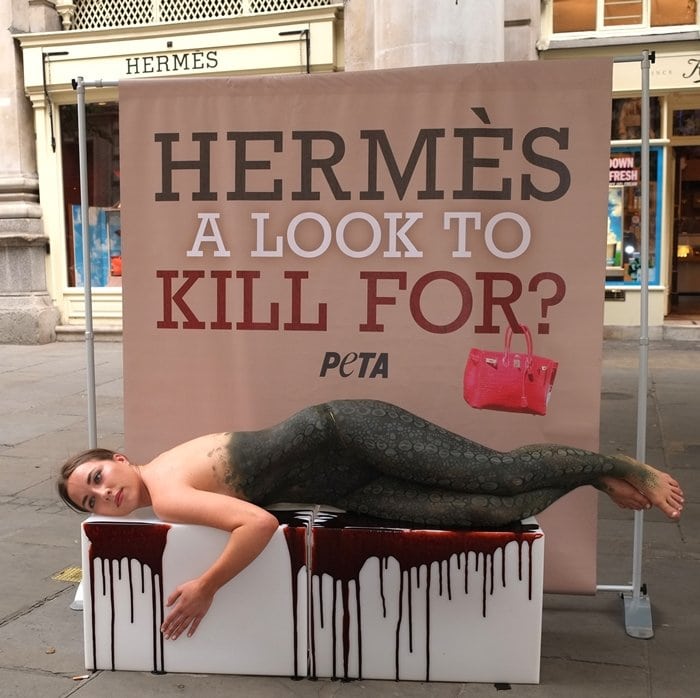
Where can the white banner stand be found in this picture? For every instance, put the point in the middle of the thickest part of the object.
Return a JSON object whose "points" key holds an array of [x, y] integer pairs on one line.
{"points": [[638, 620], [637, 606]]}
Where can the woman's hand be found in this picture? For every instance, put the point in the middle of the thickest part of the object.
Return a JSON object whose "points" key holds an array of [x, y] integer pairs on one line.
{"points": [[190, 603]]}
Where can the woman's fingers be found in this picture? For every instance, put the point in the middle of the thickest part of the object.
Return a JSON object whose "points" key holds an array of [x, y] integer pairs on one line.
{"points": [[173, 627], [189, 605], [193, 627]]}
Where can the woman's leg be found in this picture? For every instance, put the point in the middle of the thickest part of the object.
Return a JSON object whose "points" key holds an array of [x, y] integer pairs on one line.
{"points": [[391, 498], [405, 446], [402, 445], [328, 451]]}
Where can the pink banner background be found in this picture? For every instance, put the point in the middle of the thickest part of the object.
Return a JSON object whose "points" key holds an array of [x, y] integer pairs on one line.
{"points": [[309, 256]]}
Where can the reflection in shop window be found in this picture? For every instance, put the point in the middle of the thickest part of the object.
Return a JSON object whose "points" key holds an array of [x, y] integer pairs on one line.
{"points": [[103, 225], [624, 235], [626, 121], [598, 15]]}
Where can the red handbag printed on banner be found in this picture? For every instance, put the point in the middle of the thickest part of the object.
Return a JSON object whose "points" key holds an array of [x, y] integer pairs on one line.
{"points": [[509, 381]]}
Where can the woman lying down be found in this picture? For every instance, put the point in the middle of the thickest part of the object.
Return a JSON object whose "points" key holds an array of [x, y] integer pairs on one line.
{"points": [[364, 456]]}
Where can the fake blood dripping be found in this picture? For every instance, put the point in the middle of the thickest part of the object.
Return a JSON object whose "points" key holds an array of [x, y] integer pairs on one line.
{"points": [[339, 549], [342, 547], [116, 543], [296, 537]]}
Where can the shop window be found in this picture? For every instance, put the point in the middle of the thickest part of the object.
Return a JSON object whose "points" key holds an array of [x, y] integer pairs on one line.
{"points": [[686, 122], [104, 228], [626, 123], [623, 244], [103, 225], [600, 15]]}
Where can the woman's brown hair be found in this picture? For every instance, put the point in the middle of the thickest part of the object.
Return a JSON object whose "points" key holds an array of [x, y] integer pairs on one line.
{"points": [[71, 464]]}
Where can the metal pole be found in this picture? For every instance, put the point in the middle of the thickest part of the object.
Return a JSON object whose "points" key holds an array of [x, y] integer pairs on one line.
{"points": [[638, 620], [79, 86], [614, 587], [644, 319], [87, 270]]}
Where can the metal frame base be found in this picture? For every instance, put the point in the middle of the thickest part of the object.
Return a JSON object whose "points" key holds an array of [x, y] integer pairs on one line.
{"points": [[638, 622]]}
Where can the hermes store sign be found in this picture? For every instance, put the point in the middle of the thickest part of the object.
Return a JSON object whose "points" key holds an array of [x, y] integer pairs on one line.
{"points": [[171, 62]]}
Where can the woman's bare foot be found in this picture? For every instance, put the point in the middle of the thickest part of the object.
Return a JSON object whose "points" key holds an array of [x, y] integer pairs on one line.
{"points": [[658, 487], [626, 496]]}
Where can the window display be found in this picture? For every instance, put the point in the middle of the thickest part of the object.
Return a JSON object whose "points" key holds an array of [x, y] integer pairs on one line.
{"points": [[104, 227], [624, 234]]}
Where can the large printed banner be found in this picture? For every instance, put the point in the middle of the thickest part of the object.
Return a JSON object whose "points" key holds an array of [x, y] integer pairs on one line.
{"points": [[293, 239]]}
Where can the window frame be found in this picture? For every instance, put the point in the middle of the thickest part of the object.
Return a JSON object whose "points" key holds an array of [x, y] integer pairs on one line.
{"points": [[602, 31]]}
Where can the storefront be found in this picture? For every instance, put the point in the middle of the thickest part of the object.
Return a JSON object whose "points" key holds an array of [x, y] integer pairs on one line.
{"points": [[312, 40], [668, 29], [674, 197], [284, 42]]}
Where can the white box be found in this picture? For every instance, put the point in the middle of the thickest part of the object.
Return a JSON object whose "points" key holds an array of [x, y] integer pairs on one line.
{"points": [[374, 601], [425, 604], [138, 562]]}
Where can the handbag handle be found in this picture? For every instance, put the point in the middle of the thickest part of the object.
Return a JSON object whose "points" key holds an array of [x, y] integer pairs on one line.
{"points": [[528, 363], [509, 337]]}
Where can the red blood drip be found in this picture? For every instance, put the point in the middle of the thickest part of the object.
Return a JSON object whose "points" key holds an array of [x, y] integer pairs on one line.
{"points": [[296, 542], [145, 543], [382, 566], [411, 549]]}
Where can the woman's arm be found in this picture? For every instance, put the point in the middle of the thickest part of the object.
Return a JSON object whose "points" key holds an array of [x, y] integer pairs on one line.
{"points": [[251, 529]]}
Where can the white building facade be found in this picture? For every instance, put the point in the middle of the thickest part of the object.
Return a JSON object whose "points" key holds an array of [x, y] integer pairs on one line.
{"points": [[56, 41]]}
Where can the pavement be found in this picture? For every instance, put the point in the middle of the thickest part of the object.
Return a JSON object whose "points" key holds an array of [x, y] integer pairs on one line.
{"points": [[585, 649]]}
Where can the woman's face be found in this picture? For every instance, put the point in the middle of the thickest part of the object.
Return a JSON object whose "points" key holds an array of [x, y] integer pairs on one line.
{"points": [[106, 487]]}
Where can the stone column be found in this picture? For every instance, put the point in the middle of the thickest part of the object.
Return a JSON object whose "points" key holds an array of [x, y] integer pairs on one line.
{"points": [[27, 314], [402, 33]]}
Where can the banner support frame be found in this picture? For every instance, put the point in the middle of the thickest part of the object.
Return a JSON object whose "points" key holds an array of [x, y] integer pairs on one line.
{"points": [[79, 86], [637, 607]]}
